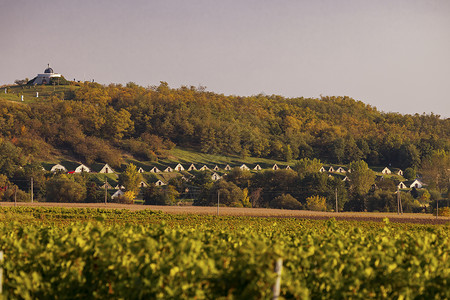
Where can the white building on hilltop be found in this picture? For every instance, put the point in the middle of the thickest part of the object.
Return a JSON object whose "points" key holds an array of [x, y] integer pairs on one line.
{"points": [[45, 77]]}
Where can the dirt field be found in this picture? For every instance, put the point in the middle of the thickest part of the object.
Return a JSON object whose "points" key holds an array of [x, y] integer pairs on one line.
{"points": [[256, 212]]}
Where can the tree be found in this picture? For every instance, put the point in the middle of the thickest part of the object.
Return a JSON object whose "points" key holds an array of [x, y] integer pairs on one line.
{"points": [[130, 178], [229, 195], [62, 189], [307, 166], [160, 195], [435, 171], [409, 174], [316, 203], [285, 201], [361, 177]]}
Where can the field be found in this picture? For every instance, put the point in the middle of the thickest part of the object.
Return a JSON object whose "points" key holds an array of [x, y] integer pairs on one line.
{"points": [[98, 253]]}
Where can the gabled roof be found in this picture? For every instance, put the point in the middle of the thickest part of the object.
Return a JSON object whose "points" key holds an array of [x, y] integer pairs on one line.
{"points": [[82, 168], [192, 167], [216, 168], [179, 167], [160, 183], [215, 176], [168, 169], [244, 167], [155, 170], [140, 170], [57, 168], [257, 168], [106, 169], [227, 168], [275, 167], [204, 168]]}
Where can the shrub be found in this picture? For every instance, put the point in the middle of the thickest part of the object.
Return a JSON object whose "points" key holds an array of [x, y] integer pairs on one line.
{"points": [[285, 202], [316, 203]]}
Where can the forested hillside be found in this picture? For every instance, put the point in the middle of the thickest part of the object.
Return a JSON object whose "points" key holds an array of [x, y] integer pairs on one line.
{"points": [[92, 122]]}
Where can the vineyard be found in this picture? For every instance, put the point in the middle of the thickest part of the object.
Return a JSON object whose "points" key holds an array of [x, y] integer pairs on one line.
{"points": [[63, 253]]}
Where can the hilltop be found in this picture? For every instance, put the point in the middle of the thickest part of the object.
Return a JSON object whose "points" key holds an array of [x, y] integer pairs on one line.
{"points": [[91, 123]]}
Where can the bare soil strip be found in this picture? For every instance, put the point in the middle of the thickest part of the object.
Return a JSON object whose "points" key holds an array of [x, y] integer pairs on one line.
{"points": [[254, 212]]}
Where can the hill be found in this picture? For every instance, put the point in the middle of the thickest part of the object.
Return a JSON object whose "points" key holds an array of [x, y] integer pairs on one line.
{"points": [[94, 123]]}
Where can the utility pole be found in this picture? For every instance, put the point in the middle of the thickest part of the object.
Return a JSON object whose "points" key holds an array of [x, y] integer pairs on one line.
{"points": [[337, 209], [218, 198], [32, 192], [437, 208], [15, 196], [106, 190]]}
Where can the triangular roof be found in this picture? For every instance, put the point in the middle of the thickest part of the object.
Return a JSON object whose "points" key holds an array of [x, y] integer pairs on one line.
{"points": [[227, 168], [192, 167], [288, 167], [386, 171], [216, 168], [215, 176], [244, 167], [106, 169], [82, 168], [331, 169], [204, 168], [179, 167], [58, 167], [155, 170], [168, 169], [140, 170], [275, 167], [160, 183], [340, 170], [257, 168], [322, 169], [117, 194]]}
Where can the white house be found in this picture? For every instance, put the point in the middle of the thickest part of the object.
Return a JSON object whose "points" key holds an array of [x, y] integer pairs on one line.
{"points": [[119, 187], [143, 184], [399, 172], [159, 183], [322, 169], [386, 171], [168, 169], [192, 167], [244, 167], [227, 168], [288, 167], [106, 169], [257, 168], [331, 169], [155, 170], [141, 170], [346, 179], [416, 184], [215, 176], [401, 185], [340, 170], [82, 168], [118, 193], [57, 168], [204, 168], [216, 168], [179, 168], [45, 77], [275, 167]]}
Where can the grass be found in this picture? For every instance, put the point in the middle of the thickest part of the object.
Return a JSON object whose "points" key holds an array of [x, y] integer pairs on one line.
{"points": [[29, 92]]}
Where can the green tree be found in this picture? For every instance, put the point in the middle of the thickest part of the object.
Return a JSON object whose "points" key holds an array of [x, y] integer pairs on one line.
{"points": [[130, 178], [307, 166], [361, 177], [62, 189], [316, 203], [409, 174]]}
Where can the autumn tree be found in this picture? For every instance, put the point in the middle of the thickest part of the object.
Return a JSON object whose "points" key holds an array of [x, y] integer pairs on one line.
{"points": [[361, 177], [130, 178]]}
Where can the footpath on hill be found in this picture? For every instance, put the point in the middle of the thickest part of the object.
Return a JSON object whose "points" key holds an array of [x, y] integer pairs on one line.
{"points": [[254, 212]]}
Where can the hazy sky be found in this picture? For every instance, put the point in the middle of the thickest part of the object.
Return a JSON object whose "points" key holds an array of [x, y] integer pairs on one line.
{"points": [[392, 54]]}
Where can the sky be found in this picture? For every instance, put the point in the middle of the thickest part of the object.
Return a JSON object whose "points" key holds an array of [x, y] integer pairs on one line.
{"points": [[391, 54]]}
